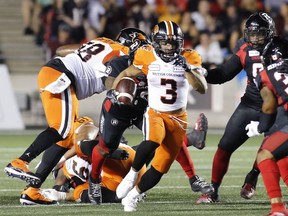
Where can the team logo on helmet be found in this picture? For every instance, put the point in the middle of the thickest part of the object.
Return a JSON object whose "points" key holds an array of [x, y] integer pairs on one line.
{"points": [[114, 122]]}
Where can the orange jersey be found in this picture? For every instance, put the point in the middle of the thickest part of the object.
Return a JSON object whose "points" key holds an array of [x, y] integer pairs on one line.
{"points": [[168, 85], [65, 80], [87, 64], [113, 170]]}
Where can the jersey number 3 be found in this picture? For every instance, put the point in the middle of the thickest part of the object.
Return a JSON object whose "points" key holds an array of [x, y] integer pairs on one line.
{"points": [[171, 94]]}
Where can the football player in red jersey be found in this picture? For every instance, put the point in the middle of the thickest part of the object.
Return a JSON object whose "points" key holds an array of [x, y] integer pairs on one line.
{"points": [[258, 31], [272, 157], [115, 118]]}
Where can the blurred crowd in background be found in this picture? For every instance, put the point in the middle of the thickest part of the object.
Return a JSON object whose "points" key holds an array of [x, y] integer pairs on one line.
{"points": [[212, 27]]}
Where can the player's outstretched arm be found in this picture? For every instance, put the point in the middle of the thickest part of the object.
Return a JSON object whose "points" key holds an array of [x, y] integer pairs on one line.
{"points": [[197, 80], [66, 49]]}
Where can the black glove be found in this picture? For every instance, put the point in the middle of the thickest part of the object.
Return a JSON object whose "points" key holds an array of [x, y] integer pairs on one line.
{"points": [[181, 61], [119, 154], [283, 68], [112, 96]]}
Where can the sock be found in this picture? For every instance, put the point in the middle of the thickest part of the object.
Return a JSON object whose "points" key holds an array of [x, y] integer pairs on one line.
{"points": [[97, 162], [283, 167], [277, 207], [271, 177], [42, 142], [220, 165], [252, 176], [185, 161]]}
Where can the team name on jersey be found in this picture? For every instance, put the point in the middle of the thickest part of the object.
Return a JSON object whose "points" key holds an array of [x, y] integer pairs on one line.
{"points": [[154, 67], [274, 65], [252, 53]]}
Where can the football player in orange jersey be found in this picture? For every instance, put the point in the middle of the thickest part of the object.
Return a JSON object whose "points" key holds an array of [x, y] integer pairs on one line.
{"points": [[75, 170], [62, 82], [169, 70], [75, 173], [115, 118]]}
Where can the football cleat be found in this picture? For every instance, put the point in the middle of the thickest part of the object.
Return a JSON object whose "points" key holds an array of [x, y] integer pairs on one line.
{"points": [[197, 137], [130, 203], [53, 194], [34, 196], [206, 199], [200, 185], [94, 192], [247, 191], [126, 184], [19, 169]]}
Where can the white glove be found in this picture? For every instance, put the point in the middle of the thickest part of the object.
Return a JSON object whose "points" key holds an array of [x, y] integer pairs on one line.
{"points": [[252, 128]]}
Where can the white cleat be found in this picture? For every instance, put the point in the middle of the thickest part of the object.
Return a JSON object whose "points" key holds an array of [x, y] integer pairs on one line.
{"points": [[126, 184]]}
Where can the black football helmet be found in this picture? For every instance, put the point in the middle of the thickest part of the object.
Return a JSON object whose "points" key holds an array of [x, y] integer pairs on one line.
{"points": [[127, 36], [275, 51], [167, 32], [259, 30]]}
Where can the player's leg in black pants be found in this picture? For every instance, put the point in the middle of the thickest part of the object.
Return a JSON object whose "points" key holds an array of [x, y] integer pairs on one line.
{"points": [[234, 136], [48, 162]]}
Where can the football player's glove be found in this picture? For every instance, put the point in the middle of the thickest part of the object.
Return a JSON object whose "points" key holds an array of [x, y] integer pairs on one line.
{"points": [[181, 61], [252, 128], [119, 154], [112, 96]]}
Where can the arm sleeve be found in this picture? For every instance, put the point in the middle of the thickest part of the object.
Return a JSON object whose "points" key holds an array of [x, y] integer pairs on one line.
{"points": [[117, 65], [225, 72]]}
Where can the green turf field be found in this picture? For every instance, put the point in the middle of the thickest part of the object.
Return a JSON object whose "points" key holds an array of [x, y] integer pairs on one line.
{"points": [[172, 196]]}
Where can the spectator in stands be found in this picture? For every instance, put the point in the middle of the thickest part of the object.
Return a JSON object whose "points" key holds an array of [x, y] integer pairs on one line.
{"points": [[209, 50], [273, 7], [199, 16], [74, 14], [96, 16], [218, 7], [191, 33], [117, 18], [27, 8], [216, 30], [281, 21], [143, 17], [171, 12], [63, 37]]}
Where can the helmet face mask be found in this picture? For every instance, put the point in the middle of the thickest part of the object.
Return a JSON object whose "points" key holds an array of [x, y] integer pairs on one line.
{"points": [[167, 40], [259, 30]]}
